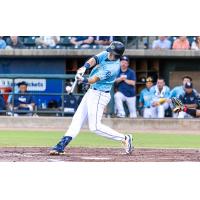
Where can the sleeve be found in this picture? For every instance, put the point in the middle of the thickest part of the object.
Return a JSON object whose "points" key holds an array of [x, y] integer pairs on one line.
{"points": [[172, 93], [100, 57], [103, 74]]}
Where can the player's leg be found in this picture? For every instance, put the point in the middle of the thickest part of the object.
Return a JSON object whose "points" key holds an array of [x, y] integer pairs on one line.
{"points": [[147, 113], [161, 109], [131, 103], [77, 121], [96, 105], [154, 112], [119, 98], [181, 115]]}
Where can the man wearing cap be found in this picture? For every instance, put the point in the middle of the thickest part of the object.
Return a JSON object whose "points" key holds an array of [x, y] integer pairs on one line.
{"points": [[23, 102], [125, 89], [146, 98], [189, 99]]}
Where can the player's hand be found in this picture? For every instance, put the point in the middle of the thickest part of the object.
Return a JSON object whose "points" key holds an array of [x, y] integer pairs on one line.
{"points": [[81, 70], [79, 77], [156, 103]]}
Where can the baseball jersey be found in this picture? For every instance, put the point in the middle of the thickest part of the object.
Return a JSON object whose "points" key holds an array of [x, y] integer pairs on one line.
{"points": [[23, 99], [126, 89], [106, 70], [146, 97], [177, 91], [165, 93], [189, 98]]}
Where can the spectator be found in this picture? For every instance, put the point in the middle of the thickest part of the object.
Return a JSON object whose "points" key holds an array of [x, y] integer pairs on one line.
{"points": [[189, 99], [22, 100], [82, 41], [125, 89], [47, 41], [196, 44], [181, 43], [103, 41], [161, 43], [14, 42], [2, 43], [160, 99], [146, 98]]}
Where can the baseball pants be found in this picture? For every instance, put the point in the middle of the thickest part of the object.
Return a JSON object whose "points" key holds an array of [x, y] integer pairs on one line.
{"points": [[159, 111], [91, 109], [130, 101]]}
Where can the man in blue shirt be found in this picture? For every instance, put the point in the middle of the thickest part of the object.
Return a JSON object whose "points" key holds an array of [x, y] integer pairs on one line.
{"points": [[189, 99], [161, 43], [146, 98], [125, 89], [82, 41], [23, 102], [180, 90], [106, 68]]}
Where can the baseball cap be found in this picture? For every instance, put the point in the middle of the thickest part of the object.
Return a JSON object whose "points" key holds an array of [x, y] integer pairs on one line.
{"points": [[149, 79], [188, 85], [124, 58]]}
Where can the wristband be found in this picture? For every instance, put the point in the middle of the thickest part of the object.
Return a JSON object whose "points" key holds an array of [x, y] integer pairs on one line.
{"points": [[85, 80], [87, 65]]}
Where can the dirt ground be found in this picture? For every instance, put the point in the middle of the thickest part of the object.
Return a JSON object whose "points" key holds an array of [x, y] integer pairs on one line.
{"points": [[40, 154]]}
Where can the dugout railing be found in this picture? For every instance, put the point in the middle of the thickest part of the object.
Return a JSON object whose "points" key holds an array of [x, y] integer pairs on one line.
{"points": [[60, 111]]}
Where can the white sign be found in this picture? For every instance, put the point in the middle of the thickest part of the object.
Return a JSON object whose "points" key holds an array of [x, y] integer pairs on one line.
{"points": [[33, 84]]}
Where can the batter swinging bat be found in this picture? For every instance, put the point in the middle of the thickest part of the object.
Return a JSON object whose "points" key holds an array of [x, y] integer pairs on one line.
{"points": [[81, 72]]}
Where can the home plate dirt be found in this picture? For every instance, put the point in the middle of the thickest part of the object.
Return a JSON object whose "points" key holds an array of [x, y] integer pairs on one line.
{"points": [[41, 154]]}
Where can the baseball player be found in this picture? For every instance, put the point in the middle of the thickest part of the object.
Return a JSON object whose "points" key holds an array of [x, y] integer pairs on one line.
{"points": [[160, 99], [146, 98], [189, 99], [106, 68], [180, 107]]}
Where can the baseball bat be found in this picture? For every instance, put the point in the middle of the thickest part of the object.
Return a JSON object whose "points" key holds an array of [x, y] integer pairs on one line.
{"points": [[75, 82]]}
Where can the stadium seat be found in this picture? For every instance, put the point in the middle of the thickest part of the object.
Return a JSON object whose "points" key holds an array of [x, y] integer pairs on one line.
{"points": [[29, 41], [64, 42]]}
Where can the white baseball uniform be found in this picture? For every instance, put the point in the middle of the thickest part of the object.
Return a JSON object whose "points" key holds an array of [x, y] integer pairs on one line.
{"points": [[96, 99], [159, 111]]}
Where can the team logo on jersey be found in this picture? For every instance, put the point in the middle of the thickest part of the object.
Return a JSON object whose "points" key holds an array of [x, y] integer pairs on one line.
{"points": [[191, 98], [108, 74]]}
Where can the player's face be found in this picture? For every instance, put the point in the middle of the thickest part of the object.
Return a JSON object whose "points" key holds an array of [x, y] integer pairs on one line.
{"points": [[188, 90], [160, 84], [23, 88], [186, 80], [124, 65], [149, 84]]}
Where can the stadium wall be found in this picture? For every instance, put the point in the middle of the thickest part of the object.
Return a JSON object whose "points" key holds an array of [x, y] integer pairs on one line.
{"points": [[168, 125]]}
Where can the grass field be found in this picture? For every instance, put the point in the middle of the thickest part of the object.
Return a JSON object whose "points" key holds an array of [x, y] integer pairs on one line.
{"points": [[85, 139]]}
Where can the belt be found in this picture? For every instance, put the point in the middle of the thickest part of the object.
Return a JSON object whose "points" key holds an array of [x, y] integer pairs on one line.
{"points": [[100, 90]]}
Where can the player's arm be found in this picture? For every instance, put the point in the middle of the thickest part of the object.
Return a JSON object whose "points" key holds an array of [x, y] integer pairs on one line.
{"points": [[130, 82], [132, 79], [191, 105]]}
